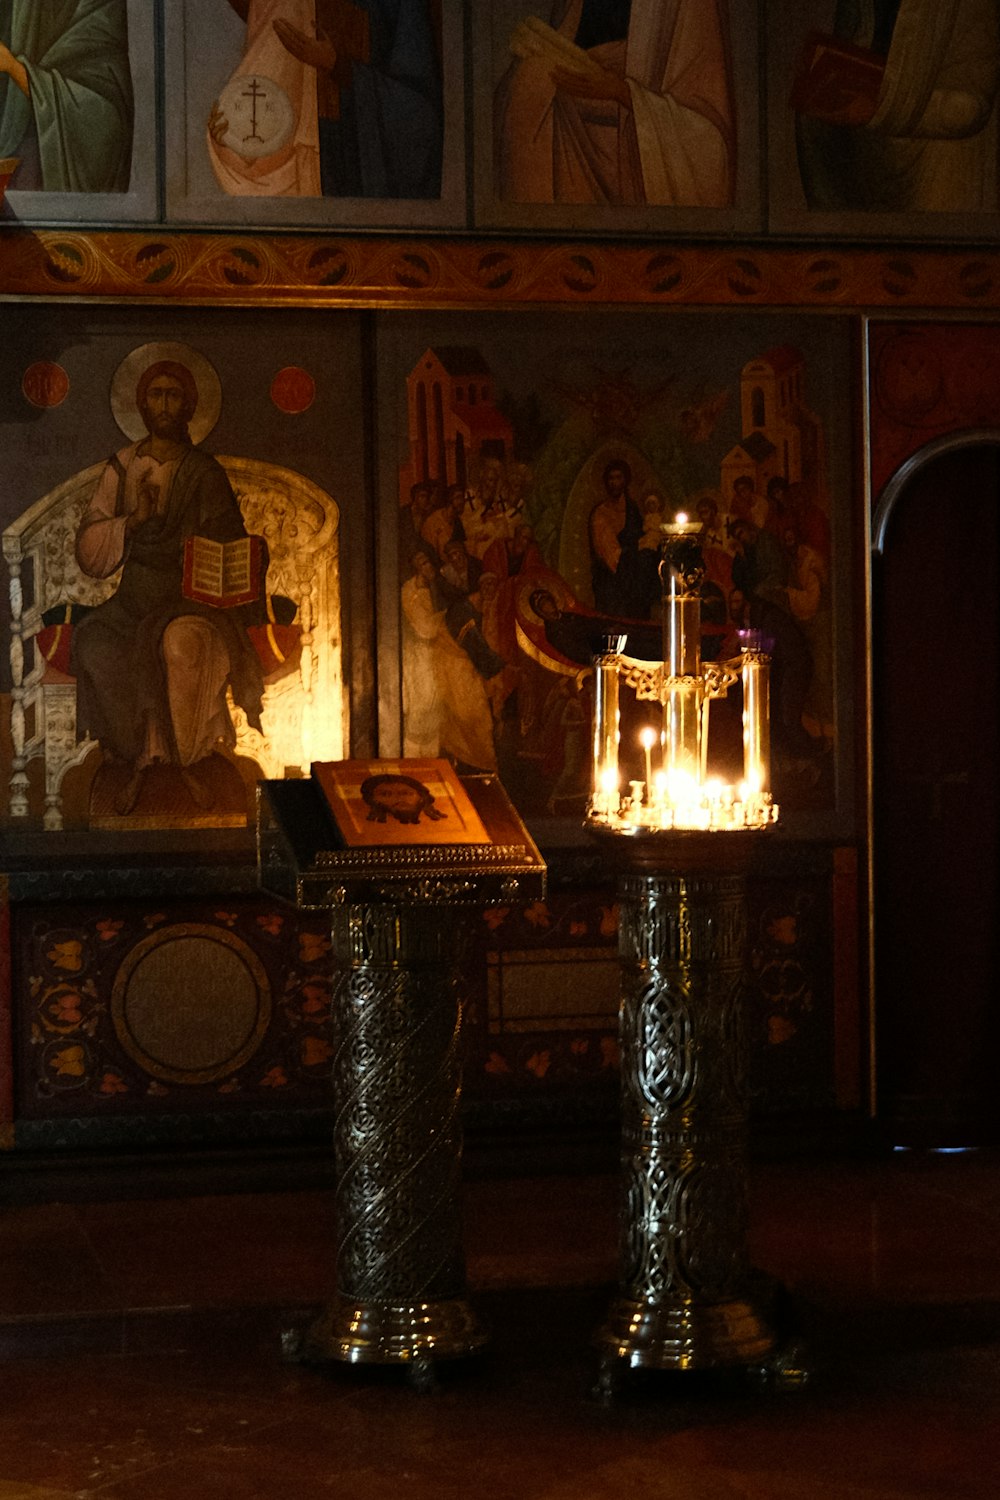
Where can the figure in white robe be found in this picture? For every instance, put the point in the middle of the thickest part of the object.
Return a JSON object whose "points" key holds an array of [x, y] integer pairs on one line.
{"points": [[446, 709], [645, 116]]}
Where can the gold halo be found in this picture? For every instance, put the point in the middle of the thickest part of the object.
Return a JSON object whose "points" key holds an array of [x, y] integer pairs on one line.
{"points": [[134, 366]]}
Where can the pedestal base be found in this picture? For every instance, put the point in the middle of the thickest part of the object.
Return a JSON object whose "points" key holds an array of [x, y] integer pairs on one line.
{"points": [[685, 1335], [378, 1333]]}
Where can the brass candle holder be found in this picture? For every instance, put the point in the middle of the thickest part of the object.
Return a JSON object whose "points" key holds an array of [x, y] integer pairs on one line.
{"points": [[680, 794]]}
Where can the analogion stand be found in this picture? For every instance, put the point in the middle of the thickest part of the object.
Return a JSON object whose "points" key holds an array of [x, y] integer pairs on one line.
{"points": [[400, 921]]}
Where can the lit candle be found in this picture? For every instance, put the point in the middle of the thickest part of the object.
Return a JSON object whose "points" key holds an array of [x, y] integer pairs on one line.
{"points": [[681, 573], [756, 714], [681, 525], [609, 789], [606, 723], [648, 739]]}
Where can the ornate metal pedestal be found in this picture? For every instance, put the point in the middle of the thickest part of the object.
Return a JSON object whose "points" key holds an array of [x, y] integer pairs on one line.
{"points": [[687, 1298], [398, 1138], [400, 923]]}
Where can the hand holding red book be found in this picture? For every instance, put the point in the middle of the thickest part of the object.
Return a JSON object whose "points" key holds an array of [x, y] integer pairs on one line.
{"points": [[836, 81]]}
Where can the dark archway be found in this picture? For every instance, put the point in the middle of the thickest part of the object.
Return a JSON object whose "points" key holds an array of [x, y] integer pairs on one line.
{"points": [[936, 650]]}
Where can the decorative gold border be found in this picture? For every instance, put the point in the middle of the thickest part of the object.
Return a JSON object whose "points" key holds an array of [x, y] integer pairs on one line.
{"points": [[451, 271]]}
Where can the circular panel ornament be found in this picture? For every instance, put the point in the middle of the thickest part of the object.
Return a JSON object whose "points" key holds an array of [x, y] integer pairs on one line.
{"points": [[259, 115], [45, 384], [293, 390], [191, 1004]]}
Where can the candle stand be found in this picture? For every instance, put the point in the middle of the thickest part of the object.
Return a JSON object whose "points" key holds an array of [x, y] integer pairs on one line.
{"points": [[400, 924], [687, 1298], [681, 842]]}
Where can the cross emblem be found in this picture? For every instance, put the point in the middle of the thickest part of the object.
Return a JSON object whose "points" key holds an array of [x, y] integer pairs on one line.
{"points": [[253, 93]]}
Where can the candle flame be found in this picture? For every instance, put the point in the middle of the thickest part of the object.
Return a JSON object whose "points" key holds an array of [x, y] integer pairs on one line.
{"points": [[609, 780], [681, 786]]}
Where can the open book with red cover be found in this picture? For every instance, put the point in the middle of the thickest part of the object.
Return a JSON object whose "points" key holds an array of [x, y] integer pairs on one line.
{"points": [[223, 574], [836, 81]]}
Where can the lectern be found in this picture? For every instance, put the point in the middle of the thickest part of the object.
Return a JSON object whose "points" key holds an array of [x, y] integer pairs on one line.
{"points": [[404, 855]]}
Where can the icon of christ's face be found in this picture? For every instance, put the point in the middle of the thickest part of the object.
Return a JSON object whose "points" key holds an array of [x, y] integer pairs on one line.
{"points": [[396, 797], [164, 408]]}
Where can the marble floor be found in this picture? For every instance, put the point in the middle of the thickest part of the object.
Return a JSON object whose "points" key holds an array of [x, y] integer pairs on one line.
{"points": [[140, 1352]]}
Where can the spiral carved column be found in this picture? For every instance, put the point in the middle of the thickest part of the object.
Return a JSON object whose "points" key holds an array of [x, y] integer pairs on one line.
{"points": [[684, 1299], [398, 1141]]}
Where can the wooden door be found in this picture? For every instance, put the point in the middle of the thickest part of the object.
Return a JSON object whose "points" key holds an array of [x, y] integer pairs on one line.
{"points": [[935, 784]]}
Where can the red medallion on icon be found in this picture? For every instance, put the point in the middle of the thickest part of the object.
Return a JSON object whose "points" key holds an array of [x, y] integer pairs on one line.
{"points": [[293, 389], [45, 384]]}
